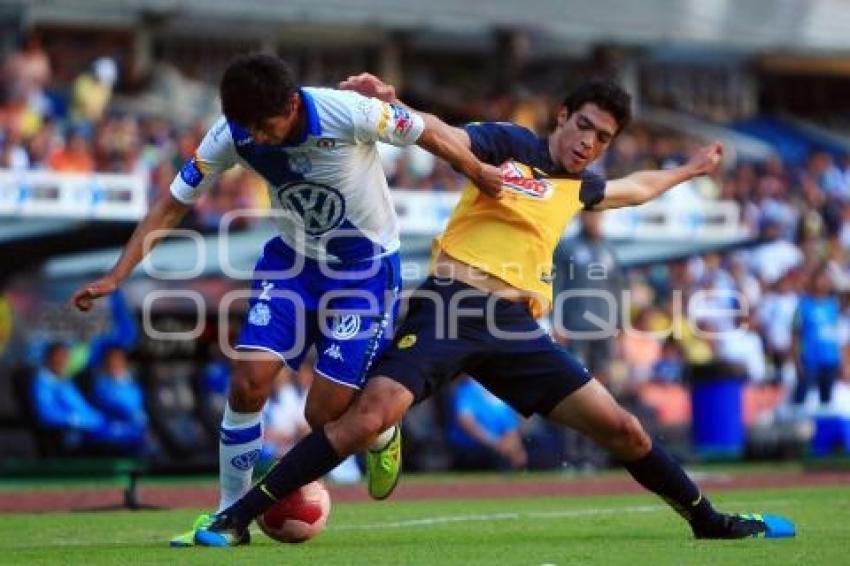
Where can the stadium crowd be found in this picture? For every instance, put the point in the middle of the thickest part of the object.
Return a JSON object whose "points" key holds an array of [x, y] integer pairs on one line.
{"points": [[792, 282]]}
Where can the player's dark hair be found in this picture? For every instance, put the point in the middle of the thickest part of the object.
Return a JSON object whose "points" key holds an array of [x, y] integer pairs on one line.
{"points": [[255, 87], [607, 95]]}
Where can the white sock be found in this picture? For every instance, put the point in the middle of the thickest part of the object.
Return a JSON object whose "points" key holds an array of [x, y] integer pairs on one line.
{"points": [[240, 442], [383, 439]]}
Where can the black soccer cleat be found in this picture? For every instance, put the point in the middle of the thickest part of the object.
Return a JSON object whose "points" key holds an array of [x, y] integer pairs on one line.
{"points": [[749, 525], [730, 527]]}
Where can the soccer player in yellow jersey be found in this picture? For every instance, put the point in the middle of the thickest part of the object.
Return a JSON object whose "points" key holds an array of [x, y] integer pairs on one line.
{"points": [[490, 279]]}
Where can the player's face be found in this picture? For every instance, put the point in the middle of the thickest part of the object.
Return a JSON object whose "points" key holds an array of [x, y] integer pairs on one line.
{"points": [[581, 137], [274, 130]]}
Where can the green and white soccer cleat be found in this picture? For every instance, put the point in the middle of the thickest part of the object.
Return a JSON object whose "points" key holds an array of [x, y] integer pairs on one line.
{"points": [[383, 467]]}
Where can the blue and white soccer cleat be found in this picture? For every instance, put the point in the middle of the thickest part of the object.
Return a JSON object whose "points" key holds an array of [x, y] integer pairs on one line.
{"points": [[776, 526], [188, 538], [221, 532]]}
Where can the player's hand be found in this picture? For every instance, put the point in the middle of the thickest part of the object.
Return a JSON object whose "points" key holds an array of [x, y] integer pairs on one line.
{"points": [[519, 458], [368, 84], [84, 298], [510, 447], [707, 159], [489, 181]]}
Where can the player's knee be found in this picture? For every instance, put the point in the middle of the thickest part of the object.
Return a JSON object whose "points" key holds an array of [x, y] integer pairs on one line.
{"points": [[356, 430], [249, 388]]}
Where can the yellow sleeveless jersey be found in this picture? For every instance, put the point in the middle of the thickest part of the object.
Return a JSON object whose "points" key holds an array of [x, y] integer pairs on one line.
{"points": [[514, 238]]}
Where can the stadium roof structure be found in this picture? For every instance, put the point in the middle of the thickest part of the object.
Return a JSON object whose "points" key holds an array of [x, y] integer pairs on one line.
{"points": [[754, 25]]}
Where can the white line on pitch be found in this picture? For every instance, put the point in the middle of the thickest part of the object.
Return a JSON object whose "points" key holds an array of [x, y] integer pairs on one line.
{"points": [[556, 514]]}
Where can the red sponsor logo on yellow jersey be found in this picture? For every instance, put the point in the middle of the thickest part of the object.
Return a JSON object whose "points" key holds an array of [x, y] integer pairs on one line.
{"points": [[514, 179]]}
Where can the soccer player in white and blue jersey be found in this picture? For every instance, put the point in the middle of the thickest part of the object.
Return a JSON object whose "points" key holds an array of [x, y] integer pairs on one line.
{"points": [[337, 251]]}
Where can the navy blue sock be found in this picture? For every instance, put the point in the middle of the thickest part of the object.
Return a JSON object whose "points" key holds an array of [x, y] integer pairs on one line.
{"points": [[309, 459], [661, 474]]}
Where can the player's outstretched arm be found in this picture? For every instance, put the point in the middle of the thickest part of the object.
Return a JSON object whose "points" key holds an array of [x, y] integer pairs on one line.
{"points": [[442, 140], [644, 186], [165, 214], [369, 85]]}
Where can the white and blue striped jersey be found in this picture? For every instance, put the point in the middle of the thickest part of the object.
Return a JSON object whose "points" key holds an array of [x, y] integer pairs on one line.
{"points": [[328, 189]]}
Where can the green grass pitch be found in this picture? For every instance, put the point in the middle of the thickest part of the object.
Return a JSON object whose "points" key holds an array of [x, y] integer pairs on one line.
{"points": [[579, 530]]}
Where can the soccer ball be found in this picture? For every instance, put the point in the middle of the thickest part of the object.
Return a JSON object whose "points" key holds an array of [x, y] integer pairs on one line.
{"points": [[299, 516]]}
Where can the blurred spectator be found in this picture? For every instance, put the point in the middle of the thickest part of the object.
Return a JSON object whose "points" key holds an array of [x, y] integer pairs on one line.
{"points": [[42, 145], [670, 367], [712, 275], [640, 348], [744, 281], [816, 341], [117, 144], [59, 404], [444, 178], [74, 157], [116, 392], [283, 416], [13, 152], [776, 255], [92, 91], [822, 170], [776, 320], [25, 75], [741, 351], [586, 271], [484, 431], [715, 297]]}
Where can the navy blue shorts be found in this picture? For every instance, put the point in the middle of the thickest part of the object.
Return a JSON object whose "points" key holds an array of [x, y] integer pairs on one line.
{"points": [[452, 328], [346, 314]]}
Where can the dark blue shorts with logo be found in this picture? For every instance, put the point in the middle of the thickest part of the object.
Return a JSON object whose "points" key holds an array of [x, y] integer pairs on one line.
{"points": [[452, 329], [346, 311]]}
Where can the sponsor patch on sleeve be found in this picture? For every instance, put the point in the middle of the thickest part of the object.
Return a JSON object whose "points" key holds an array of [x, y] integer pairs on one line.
{"points": [[384, 119], [402, 120]]}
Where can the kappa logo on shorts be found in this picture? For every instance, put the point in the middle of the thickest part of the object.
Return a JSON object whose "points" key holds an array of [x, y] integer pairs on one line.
{"points": [[407, 341], [346, 326], [246, 460], [260, 315], [333, 351]]}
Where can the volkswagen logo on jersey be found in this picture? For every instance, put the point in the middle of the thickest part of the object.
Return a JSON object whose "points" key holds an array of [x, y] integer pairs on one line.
{"points": [[346, 326], [322, 208]]}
